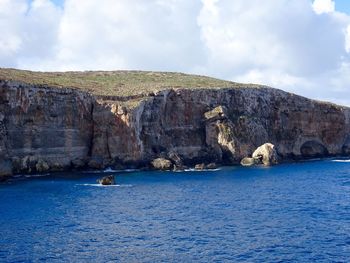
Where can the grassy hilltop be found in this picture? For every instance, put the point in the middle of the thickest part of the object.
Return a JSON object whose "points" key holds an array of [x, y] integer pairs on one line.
{"points": [[115, 83]]}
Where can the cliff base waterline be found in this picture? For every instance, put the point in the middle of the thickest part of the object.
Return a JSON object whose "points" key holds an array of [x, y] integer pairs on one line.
{"points": [[48, 127]]}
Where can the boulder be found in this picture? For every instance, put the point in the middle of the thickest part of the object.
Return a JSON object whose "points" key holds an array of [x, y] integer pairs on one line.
{"points": [[107, 180], [211, 166], [248, 161], [200, 166], [162, 164], [266, 153]]}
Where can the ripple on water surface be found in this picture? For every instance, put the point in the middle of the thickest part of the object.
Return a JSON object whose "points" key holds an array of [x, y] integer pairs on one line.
{"points": [[295, 212]]}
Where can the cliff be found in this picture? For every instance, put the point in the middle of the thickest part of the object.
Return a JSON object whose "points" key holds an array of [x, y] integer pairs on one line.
{"points": [[50, 127]]}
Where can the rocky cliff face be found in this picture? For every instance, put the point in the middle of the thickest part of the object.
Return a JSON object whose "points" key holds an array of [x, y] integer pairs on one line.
{"points": [[45, 129], [229, 124]]}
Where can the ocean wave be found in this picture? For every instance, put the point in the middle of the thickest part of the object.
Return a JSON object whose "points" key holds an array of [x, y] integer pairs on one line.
{"points": [[341, 161], [110, 170], [203, 170], [100, 185], [33, 175]]}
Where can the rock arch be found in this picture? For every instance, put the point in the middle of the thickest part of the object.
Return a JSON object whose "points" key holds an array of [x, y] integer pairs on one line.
{"points": [[313, 149]]}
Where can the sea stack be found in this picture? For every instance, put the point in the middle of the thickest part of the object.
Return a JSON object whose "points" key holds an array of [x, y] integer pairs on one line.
{"points": [[107, 180]]}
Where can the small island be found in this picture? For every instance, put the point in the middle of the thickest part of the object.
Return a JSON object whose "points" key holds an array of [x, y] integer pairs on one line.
{"points": [[128, 119]]}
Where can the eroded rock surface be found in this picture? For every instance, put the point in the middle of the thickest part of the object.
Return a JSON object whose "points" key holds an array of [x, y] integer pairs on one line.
{"points": [[249, 161], [266, 153], [42, 128], [107, 180], [313, 148], [52, 129], [162, 164]]}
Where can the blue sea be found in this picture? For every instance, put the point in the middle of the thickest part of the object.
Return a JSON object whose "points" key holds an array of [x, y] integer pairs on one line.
{"points": [[288, 213]]}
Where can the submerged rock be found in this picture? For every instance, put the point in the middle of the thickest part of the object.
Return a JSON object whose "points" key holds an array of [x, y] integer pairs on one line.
{"points": [[203, 166], [248, 161], [200, 166], [211, 166], [162, 164], [107, 180]]}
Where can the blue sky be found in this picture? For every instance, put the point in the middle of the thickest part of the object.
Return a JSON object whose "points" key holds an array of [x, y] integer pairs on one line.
{"points": [[301, 46], [58, 2], [343, 6]]}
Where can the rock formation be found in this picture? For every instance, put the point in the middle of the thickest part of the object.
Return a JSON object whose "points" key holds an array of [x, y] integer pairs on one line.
{"points": [[249, 161], [107, 180], [162, 164], [46, 128], [266, 153], [203, 166]]}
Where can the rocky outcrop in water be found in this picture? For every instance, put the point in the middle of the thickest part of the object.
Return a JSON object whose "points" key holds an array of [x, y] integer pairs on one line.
{"points": [[52, 129], [106, 180], [162, 164], [250, 161], [266, 153]]}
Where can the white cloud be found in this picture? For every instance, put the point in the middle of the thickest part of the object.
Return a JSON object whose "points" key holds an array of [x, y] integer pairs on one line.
{"points": [[296, 45], [28, 32], [283, 43], [109, 34], [323, 6], [347, 39], [10, 27]]}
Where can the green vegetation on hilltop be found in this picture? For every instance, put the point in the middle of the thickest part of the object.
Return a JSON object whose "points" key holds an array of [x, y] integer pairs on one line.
{"points": [[115, 83]]}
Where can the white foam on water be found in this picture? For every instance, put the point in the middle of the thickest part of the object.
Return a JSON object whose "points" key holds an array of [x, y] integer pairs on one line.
{"points": [[341, 161], [203, 170], [34, 175], [100, 185], [110, 170]]}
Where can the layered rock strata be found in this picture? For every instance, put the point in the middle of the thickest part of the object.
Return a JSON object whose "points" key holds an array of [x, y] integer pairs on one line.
{"points": [[51, 129]]}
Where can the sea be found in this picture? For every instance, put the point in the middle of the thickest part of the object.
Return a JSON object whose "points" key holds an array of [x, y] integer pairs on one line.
{"points": [[297, 212]]}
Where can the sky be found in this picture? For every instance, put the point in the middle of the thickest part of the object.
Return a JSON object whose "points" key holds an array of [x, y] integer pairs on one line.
{"points": [[301, 46]]}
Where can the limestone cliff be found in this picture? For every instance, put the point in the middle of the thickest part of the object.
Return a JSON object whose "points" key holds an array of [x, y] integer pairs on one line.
{"points": [[44, 128], [47, 128]]}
